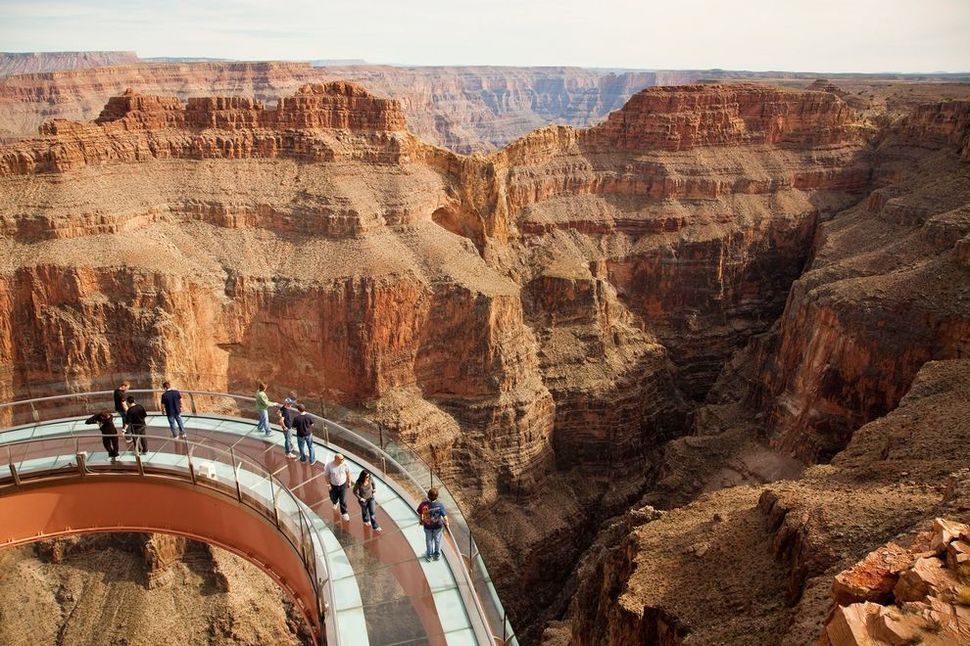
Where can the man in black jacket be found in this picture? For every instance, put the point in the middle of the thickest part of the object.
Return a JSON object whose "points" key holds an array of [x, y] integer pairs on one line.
{"points": [[136, 425], [172, 405], [121, 408]]}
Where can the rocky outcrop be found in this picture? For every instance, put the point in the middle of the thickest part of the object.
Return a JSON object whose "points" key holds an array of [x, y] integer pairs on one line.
{"points": [[474, 109], [685, 117], [102, 589], [686, 239], [138, 128], [927, 581]]}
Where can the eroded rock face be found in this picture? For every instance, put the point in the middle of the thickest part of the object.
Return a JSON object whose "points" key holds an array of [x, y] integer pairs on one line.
{"points": [[886, 292], [928, 585]]}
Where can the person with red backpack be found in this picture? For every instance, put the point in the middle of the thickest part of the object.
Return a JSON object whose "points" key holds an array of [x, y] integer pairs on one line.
{"points": [[434, 518]]}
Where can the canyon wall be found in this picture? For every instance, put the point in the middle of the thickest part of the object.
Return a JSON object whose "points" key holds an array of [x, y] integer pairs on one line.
{"points": [[886, 292], [32, 62], [465, 109]]}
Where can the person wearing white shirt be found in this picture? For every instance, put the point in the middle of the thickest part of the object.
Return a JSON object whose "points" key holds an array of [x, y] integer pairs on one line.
{"points": [[337, 472]]}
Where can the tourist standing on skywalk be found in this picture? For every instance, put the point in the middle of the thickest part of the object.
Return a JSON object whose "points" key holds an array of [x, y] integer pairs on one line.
{"points": [[365, 489], [434, 518], [338, 475], [172, 404], [287, 415], [136, 424], [109, 434], [121, 407], [303, 424], [262, 408]]}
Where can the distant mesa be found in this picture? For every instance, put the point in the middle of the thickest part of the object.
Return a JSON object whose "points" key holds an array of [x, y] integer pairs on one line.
{"points": [[334, 105]]}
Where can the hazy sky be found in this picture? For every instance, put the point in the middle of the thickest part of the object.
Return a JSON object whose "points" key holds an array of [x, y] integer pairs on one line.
{"points": [[819, 35]]}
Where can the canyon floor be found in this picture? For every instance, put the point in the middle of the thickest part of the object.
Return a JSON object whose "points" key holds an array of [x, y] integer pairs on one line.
{"points": [[681, 367]]}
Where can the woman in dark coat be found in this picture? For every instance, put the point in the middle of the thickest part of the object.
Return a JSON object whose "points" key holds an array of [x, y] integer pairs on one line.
{"points": [[109, 433], [365, 489]]}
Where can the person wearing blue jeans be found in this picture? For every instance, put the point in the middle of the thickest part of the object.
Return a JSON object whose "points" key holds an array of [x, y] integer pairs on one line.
{"points": [[262, 408], [287, 415], [303, 424], [434, 518], [365, 489], [172, 404]]}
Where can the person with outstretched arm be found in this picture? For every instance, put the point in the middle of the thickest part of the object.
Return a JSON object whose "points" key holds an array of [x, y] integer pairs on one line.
{"points": [[263, 405], [109, 434]]}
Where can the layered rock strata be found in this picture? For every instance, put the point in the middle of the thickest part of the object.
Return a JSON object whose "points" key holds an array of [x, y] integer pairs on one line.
{"points": [[886, 292]]}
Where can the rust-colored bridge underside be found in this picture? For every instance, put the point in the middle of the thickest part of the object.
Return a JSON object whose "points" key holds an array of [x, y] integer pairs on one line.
{"points": [[118, 503]]}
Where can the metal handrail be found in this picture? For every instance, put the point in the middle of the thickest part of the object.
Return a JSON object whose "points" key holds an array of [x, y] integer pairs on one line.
{"points": [[411, 451], [82, 468]]}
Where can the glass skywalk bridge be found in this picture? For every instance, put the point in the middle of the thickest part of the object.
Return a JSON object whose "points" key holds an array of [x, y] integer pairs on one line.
{"points": [[357, 587]]}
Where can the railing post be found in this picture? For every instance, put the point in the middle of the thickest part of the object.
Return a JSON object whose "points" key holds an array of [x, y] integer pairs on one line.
{"points": [[33, 412], [191, 466], [192, 403], [272, 492], [380, 435], [235, 474], [81, 457], [13, 472], [141, 467]]}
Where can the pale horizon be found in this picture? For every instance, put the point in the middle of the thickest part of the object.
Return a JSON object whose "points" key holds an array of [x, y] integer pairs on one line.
{"points": [[824, 36]]}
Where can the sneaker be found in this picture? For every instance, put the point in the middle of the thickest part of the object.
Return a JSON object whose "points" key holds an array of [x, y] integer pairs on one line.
{"points": [[378, 530], [366, 521], [336, 506], [437, 556], [313, 461], [302, 459], [427, 559], [345, 516], [182, 436], [291, 455]]}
